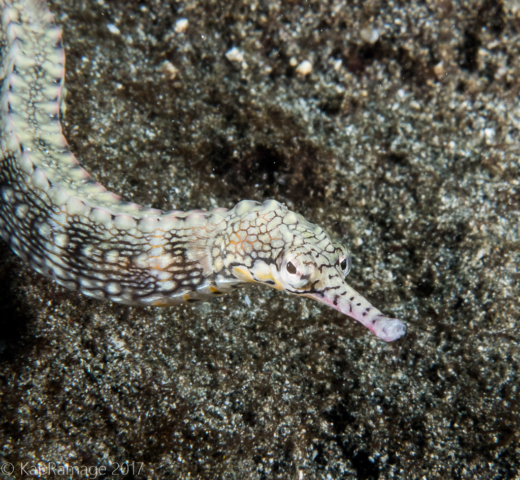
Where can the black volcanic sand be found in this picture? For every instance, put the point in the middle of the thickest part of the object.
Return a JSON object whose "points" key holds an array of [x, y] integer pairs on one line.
{"points": [[403, 141]]}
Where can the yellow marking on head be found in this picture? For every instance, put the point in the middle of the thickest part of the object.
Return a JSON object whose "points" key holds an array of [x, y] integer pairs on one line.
{"points": [[265, 276], [186, 297], [277, 285], [268, 276], [214, 290], [243, 274]]}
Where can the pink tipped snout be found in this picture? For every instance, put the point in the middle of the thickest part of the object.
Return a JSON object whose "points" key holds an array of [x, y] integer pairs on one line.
{"points": [[388, 329], [351, 303]]}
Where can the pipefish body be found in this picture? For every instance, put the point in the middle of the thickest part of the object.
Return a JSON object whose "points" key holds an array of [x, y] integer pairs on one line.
{"points": [[71, 229]]}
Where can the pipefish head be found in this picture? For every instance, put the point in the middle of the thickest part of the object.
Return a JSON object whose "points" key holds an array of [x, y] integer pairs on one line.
{"points": [[291, 254]]}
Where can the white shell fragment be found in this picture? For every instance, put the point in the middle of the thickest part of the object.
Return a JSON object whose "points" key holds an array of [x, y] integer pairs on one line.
{"points": [[181, 25], [235, 55], [304, 68], [369, 34], [113, 29]]}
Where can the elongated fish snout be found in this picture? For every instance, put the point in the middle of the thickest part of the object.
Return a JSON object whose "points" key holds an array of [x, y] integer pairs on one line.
{"points": [[388, 329], [346, 300]]}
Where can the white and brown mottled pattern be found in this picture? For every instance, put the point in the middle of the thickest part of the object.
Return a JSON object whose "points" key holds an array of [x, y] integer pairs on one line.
{"points": [[71, 229]]}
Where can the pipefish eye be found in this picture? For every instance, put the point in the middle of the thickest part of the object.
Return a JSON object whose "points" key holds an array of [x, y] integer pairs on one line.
{"points": [[291, 269], [344, 262], [295, 273]]}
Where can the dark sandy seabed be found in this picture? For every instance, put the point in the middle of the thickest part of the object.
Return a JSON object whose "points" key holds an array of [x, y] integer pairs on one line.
{"points": [[403, 140]]}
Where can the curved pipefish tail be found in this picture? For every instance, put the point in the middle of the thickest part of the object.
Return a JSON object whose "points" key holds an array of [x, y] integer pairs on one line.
{"points": [[71, 229]]}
